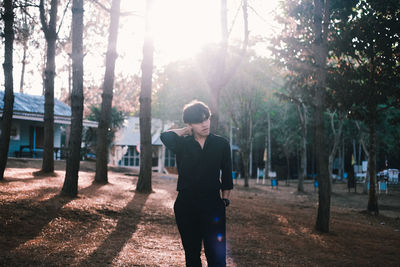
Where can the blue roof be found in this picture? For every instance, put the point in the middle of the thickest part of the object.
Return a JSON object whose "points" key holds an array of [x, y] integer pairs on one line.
{"points": [[35, 104]]}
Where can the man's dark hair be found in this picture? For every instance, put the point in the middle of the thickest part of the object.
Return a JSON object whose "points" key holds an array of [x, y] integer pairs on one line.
{"points": [[195, 112]]}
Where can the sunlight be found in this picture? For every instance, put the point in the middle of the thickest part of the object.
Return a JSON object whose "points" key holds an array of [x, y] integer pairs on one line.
{"points": [[180, 27]]}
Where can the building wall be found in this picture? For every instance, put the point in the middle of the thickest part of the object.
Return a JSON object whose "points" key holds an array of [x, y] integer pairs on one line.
{"points": [[21, 129], [161, 158]]}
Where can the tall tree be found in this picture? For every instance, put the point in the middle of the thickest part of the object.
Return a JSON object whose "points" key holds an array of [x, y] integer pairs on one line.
{"points": [[320, 48], [244, 102], [144, 181], [220, 75], [50, 33], [303, 46], [70, 186], [8, 17], [105, 118], [371, 66]]}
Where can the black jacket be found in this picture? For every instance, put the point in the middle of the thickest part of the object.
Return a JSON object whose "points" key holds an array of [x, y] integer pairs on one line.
{"points": [[202, 170]]}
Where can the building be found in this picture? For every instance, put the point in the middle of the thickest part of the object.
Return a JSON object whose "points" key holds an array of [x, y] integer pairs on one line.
{"points": [[27, 131], [126, 147]]}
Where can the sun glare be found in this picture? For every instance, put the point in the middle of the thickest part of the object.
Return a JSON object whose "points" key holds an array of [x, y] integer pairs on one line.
{"points": [[179, 27], [182, 27]]}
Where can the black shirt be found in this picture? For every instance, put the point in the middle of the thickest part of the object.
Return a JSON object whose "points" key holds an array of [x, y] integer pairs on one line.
{"points": [[202, 170]]}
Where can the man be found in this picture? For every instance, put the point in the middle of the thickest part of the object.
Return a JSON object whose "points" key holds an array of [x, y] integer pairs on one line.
{"points": [[204, 184]]}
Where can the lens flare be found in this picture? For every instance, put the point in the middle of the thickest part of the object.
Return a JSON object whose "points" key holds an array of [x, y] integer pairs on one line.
{"points": [[219, 237]]}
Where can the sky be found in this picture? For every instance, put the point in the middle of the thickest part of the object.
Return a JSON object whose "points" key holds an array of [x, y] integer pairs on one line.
{"points": [[180, 29]]}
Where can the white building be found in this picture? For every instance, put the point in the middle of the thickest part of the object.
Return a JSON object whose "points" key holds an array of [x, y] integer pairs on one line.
{"points": [[126, 148]]}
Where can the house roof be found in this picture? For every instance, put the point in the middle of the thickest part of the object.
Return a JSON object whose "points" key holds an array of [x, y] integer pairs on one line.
{"points": [[129, 135], [35, 104], [31, 107]]}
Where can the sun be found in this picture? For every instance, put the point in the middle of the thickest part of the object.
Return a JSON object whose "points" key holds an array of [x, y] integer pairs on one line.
{"points": [[180, 28]]}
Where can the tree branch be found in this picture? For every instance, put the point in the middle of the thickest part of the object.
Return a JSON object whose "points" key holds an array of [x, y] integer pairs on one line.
{"points": [[43, 19], [101, 5], [62, 19]]}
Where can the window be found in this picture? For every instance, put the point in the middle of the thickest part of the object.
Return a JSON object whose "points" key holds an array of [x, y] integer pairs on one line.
{"points": [[169, 158], [14, 134], [131, 157]]}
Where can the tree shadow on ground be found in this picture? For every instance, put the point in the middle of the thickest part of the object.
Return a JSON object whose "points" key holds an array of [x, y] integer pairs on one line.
{"points": [[31, 217], [127, 225]]}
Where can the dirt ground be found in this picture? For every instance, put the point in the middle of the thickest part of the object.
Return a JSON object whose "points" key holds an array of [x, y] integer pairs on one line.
{"points": [[112, 225]]}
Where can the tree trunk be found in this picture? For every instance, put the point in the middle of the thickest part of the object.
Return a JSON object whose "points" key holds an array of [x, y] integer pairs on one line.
{"points": [[287, 165], [102, 144], [336, 136], [220, 76], [70, 186], [320, 50], [50, 32], [23, 63], [8, 17], [245, 159], [302, 113], [267, 168], [372, 198], [144, 181]]}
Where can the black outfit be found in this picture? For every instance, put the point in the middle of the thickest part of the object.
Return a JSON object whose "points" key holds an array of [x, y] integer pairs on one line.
{"points": [[199, 209]]}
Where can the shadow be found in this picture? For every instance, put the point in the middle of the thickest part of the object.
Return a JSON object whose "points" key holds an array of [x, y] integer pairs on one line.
{"points": [[129, 219], [27, 218], [35, 177], [389, 208]]}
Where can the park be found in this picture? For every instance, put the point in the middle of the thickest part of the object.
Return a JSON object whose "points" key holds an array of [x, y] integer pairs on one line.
{"points": [[112, 225]]}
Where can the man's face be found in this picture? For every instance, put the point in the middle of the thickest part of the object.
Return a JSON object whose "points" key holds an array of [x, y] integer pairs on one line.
{"points": [[201, 128]]}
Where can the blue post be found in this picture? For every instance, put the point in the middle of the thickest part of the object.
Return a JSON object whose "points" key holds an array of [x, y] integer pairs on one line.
{"points": [[34, 141], [315, 185], [274, 182]]}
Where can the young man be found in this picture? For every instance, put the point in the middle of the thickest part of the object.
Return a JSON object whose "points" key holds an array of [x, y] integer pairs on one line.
{"points": [[204, 184]]}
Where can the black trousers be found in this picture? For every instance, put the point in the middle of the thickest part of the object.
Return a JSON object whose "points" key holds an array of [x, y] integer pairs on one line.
{"points": [[201, 219]]}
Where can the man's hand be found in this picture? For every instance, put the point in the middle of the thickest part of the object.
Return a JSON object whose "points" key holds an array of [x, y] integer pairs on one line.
{"points": [[183, 131]]}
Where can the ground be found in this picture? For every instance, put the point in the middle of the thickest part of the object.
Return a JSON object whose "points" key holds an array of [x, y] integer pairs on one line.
{"points": [[112, 225]]}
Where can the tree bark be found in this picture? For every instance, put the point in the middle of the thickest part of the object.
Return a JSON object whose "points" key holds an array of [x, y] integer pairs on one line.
{"points": [[70, 186], [23, 64], [8, 18], [144, 181], [320, 50], [287, 155], [372, 198], [102, 145], [245, 159], [302, 113], [50, 32], [336, 136], [267, 168]]}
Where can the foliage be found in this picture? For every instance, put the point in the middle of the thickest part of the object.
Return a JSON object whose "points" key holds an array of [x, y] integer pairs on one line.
{"points": [[367, 72], [125, 95], [285, 128], [176, 85], [117, 121]]}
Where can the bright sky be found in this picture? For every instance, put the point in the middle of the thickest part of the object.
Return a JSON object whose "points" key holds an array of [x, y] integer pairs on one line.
{"points": [[180, 29]]}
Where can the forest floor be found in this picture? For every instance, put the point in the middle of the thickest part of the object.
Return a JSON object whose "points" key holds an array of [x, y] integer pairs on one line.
{"points": [[112, 225]]}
